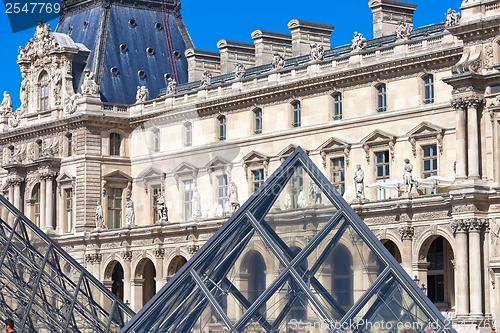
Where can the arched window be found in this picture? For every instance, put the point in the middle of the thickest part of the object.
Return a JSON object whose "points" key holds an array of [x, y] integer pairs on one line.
{"points": [[44, 91], [337, 106], [115, 141], [296, 114], [188, 134], [257, 115], [428, 89], [222, 128], [381, 98]]}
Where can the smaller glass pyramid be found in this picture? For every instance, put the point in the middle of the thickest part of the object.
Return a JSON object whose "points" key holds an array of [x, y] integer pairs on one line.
{"points": [[43, 289], [294, 258]]}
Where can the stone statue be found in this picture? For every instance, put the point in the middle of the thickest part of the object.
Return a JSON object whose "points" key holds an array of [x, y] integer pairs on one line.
{"points": [[142, 94], [359, 179], [23, 93], [407, 177], [99, 217], [317, 52], [6, 105], [171, 86], [129, 212], [315, 193], [358, 42], [403, 31], [452, 18], [233, 197], [495, 237], [206, 79], [161, 206], [196, 203], [288, 201], [15, 118], [57, 79], [278, 61], [301, 200], [89, 86], [239, 71]]}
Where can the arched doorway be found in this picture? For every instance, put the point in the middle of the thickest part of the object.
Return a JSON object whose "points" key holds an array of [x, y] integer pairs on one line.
{"points": [[393, 249], [342, 276], [253, 273], [440, 273], [117, 280], [149, 281]]}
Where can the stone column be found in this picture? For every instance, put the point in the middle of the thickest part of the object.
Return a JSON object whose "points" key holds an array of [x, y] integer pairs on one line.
{"points": [[473, 103], [127, 278], [461, 154], [159, 255], [47, 178], [475, 266], [43, 201], [460, 229], [486, 271], [11, 191], [16, 183], [407, 233]]}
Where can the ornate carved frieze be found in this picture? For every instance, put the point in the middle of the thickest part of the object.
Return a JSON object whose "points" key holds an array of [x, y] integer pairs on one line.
{"points": [[93, 258]]}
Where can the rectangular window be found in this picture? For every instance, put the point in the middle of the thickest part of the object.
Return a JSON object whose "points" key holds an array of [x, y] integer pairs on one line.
{"points": [[222, 190], [430, 161], [337, 106], [68, 210], [257, 178], [381, 98], [258, 121], [297, 185], [69, 145], [338, 179], [222, 128], [429, 89], [296, 114], [187, 199], [114, 208], [115, 141], [155, 192], [382, 167]]}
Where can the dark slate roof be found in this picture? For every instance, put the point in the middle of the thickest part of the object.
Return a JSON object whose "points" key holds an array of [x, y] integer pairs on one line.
{"points": [[104, 30]]}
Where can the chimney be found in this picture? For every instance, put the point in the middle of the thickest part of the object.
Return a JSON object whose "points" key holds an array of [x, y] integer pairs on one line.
{"points": [[388, 14], [305, 33], [232, 52], [200, 61], [268, 43]]}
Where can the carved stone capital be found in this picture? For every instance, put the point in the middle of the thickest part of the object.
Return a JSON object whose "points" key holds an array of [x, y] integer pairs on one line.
{"points": [[476, 225], [406, 232], [192, 249], [458, 103], [473, 101], [93, 258], [47, 176], [159, 253], [17, 181], [459, 226]]}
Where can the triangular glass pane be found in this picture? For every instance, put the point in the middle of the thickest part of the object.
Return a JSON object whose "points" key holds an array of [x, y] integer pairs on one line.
{"points": [[392, 309]]}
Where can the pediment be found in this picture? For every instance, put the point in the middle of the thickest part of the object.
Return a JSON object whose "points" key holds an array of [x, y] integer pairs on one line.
{"points": [[377, 137], [184, 168], [333, 144], [425, 129], [65, 178], [150, 173], [117, 175], [255, 157], [217, 163], [288, 150]]}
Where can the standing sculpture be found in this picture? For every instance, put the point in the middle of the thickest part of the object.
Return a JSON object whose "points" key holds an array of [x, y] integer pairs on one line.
{"points": [[359, 179], [129, 212], [99, 217], [161, 206]]}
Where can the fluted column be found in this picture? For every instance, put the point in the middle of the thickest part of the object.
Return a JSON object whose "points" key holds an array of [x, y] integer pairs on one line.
{"points": [[407, 233], [460, 229], [473, 103], [159, 255], [475, 266], [47, 178], [461, 154]]}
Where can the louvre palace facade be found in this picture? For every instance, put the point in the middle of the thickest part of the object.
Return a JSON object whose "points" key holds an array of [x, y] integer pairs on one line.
{"points": [[131, 147]]}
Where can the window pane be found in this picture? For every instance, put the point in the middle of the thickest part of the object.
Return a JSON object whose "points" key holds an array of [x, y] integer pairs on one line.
{"points": [[338, 176], [258, 121], [222, 128], [296, 114], [257, 178], [188, 197], [337, 106]]}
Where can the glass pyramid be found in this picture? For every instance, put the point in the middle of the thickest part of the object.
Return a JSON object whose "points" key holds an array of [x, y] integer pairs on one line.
{"points": [[294, 258], [43, 289]]}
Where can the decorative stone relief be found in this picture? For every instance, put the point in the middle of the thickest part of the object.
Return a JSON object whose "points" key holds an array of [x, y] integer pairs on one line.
{"points": [[495, 237], [459, 226], [161, 206], [239, 71], [129, 212], [317, 52], [159, 253], [278, 61], [358, 42], [142, 94], [50, 147], [57, 83], [126, 255], [192, 249], [70, 104], [89, 86], [206, 79], [403, 31], [406, 232], [452, 18], [470, 60], [488, 56]]}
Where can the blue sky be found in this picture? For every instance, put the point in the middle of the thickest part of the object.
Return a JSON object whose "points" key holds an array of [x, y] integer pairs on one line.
{"points": [[210, 21]]}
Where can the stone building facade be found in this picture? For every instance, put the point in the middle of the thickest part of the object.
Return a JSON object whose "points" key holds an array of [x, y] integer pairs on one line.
{"points": [[133, 190]]}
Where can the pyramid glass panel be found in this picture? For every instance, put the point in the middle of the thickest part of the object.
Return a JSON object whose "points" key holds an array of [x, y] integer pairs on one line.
{"points": [[294, 258], [46, 290]]}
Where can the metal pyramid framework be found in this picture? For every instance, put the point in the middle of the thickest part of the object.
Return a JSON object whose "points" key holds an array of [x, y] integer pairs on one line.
{"points": [[294, 258], [43, 289]]}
